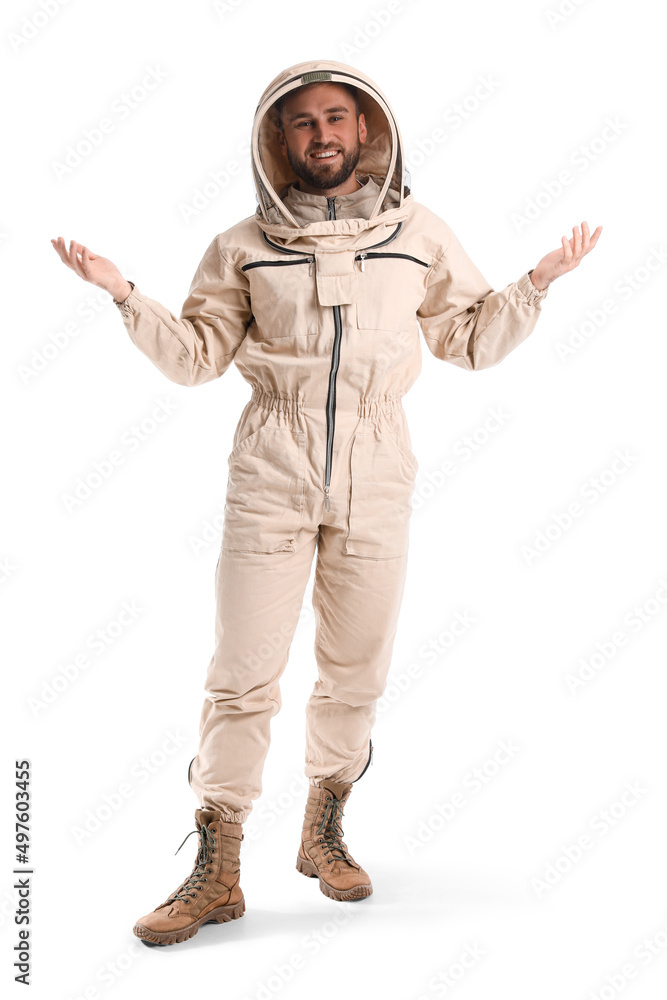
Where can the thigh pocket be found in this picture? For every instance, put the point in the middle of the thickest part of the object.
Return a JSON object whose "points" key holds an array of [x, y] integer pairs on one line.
{"points": [[381, 484], [265, 491]]}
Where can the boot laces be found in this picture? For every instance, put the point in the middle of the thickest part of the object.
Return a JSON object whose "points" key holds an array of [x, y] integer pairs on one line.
{"points": [[204, 857], [332, 831]]}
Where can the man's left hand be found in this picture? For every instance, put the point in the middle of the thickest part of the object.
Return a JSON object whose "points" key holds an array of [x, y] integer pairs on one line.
{"points": [[566, 258]]}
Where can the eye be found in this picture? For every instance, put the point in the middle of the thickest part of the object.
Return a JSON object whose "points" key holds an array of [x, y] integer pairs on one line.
{"points": [[333, 118]]}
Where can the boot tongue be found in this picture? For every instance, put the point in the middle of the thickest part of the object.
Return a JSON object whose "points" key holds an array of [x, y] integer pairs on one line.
{"points": [[339, 788], [204, 817]]}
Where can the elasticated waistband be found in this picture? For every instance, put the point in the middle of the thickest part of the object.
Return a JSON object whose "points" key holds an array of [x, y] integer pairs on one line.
{"points": [[274, 401], [368, 407], [296, 404]]}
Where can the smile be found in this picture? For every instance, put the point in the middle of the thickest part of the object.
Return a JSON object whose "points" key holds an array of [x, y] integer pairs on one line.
{"points": [[328, 155]]}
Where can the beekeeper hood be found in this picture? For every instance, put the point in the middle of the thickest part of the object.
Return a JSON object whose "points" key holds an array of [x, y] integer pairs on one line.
{"points": [[381, 158]]}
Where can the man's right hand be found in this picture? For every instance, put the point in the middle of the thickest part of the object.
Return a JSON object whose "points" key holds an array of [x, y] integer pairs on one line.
{"points": [[97, 270]]}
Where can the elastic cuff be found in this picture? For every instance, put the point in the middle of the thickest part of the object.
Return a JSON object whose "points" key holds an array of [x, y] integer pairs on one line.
{"points": [[126, 305], [525, 285]]}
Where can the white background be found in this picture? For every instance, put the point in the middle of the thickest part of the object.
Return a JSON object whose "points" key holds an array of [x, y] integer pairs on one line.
{"points": [[472, 884]]}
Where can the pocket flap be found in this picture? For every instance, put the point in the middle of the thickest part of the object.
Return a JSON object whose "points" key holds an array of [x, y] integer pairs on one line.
{"points": [[336, 277]]}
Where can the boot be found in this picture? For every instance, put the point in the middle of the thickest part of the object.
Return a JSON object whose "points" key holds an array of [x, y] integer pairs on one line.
{"points": [[323, 853], [211, 894]]}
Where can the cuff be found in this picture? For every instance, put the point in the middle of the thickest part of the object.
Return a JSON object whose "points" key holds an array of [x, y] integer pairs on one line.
{"points": [[525, 285], [126, 305]]}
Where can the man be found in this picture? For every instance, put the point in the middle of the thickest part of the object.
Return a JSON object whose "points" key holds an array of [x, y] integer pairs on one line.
{"points": [[318, 298]]}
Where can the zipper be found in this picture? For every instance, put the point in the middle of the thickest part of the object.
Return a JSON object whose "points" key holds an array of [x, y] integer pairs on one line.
{"points": [[331, 396], [280, 263], [405, 256], [368, 762], [331, 402]]}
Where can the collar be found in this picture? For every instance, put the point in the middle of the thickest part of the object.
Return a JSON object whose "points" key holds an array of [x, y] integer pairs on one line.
{"points": [[314, 208]]}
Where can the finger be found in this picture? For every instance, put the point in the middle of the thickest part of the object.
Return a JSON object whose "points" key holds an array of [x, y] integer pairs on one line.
{"points": [[567, 250], [79, 251], [61, 250], [595, 237], [71, 254], [577, 242], [585, 238], [86, 258], [74, 258]]}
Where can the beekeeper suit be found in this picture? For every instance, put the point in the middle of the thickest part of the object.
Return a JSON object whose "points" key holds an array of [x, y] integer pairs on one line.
{"points": [[319, 302]]}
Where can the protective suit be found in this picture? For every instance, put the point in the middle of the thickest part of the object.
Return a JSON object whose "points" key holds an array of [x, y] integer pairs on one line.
{"points": [[319, 302]]}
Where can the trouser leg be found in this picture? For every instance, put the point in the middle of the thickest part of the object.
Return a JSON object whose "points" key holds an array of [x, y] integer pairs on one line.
{"points": [[259, 599], [356, 602]]}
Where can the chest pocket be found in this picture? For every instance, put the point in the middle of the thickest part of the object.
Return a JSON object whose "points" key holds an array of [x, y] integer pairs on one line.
{"points": [[391, 288], [282, 296]]}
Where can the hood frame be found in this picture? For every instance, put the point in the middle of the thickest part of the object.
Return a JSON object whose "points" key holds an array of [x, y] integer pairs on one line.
{"points": [[395, 176]]}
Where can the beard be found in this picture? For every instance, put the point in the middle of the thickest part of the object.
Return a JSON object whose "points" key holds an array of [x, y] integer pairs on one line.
{"points": [[325, 177]]}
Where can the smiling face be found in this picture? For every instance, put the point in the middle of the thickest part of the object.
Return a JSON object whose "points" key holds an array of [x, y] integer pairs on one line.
{"points": [[321, 138]]}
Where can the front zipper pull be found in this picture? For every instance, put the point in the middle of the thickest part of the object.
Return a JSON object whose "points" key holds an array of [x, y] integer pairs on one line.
{"points": [[327, 505], [311, 261], [362, 257]]}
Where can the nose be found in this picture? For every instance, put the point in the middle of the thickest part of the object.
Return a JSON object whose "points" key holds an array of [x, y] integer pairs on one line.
{"points": [[323, 134]]}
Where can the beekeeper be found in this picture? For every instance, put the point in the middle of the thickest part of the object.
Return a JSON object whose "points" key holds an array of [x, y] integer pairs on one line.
{"points": [[318, 298]]}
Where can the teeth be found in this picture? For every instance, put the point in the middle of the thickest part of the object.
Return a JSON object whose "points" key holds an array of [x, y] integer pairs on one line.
{"points": [[323, 156]]}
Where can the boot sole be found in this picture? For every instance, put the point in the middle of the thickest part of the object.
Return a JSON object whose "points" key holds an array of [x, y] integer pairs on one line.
{"points": [[218, 916], [308, 869]]}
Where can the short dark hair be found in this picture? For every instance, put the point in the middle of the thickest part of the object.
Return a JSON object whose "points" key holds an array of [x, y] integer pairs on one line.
{"points": [[280, 103]]}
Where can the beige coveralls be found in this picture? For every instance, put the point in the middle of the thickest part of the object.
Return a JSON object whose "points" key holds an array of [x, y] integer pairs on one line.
{"points": [[319, 303]]}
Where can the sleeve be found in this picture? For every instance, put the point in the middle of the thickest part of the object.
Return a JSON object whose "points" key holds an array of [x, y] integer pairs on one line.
{"points": [[464, 321], [200, 345]]}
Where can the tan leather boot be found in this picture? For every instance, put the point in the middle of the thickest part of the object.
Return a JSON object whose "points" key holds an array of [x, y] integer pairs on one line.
{"points": [[323, 853], [211, 894]]}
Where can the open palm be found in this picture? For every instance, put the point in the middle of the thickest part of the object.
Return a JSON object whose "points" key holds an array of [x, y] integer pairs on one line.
{"points": [[91, 267], [568, 256]]}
